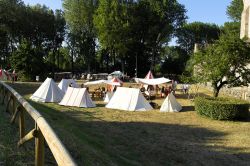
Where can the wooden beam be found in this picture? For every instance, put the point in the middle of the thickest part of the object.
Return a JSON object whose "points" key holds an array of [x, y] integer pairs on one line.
{"points": [[21, 123], [4, 94], [14, 104], [27, 137], [14, 115], [8, 103], [42, 132], [39, 148], [58, 150]]}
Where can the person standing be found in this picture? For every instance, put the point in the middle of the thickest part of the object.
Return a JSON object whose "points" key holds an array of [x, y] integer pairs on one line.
{"points": [[162, 92]]}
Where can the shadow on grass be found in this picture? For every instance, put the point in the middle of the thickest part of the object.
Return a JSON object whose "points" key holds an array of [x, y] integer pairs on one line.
{"points": [[30, 88], [187, 108], [191, 95], [93, 141]]}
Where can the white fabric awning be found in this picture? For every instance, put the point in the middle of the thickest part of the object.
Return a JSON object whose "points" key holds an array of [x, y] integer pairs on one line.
{"points": [[94, 82], [155, 81], [102, 82]]}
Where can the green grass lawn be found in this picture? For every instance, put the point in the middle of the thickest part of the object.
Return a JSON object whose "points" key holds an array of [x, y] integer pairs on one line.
{"points": [[10, 154], [100, 136]]}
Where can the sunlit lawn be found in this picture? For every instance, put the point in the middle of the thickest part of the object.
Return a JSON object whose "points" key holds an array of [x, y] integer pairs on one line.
{"points": [[100, 136]]}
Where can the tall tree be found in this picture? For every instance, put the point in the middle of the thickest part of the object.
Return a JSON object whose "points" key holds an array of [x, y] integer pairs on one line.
{"points": [[234, 10], [111, 21], [57, 35], [27, 60], [196, 32], [10, 14], [79, 17], [137, 28], [173, 60], [223, 63]]}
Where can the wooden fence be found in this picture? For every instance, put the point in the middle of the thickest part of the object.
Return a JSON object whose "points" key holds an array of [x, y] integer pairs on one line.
{"points": [[16, 105]]}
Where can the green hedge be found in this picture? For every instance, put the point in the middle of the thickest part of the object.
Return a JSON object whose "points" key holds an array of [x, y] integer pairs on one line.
{"points": [[222, 108]]}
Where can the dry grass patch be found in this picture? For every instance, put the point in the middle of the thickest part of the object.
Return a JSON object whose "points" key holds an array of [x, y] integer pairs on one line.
{"points": [[100, 136]]}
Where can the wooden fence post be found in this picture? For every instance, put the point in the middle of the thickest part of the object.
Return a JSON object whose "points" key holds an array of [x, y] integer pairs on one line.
{"points": [[8, 103], [39, 148], [42, 129], [21, 123], [4, 93], [14, 105]]}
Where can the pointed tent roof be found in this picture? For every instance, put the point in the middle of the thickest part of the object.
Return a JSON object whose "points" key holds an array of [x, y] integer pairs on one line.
{"points": [[108, 97], [48, 92], [128, 99], [78, 97], [149, 75], [115, 79], [111, 87], [170, 104], [3, 76], [64, 84]]}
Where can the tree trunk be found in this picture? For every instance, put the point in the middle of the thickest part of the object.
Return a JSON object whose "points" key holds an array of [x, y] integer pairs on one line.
{"points": [[53, 63], [88, 67], [72, 61], [123, 65], [58, 60], [107, 67]]}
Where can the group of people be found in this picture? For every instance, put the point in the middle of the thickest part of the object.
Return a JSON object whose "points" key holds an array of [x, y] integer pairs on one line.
{"points": [[165, 90]]}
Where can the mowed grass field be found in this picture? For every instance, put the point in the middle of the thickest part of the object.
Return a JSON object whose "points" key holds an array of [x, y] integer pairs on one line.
{"points": [[100, 136]]}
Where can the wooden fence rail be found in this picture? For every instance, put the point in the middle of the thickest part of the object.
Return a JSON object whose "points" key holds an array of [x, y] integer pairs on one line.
{"points": [[16, 105]]}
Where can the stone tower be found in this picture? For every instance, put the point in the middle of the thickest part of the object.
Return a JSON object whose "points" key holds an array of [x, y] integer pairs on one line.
{"points": [[245, 20]]}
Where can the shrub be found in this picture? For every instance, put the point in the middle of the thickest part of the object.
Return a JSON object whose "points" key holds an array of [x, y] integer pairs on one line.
{"points": [[222, 108]]}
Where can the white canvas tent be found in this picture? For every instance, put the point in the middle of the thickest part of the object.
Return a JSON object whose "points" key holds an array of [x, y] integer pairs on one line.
{"points": [[64, 84], [148, 77], [170, 104], [108, 97], [78, 97], [48, 92], [128, 99]]}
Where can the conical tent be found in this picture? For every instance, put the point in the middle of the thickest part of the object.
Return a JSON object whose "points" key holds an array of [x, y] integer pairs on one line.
{"points": [[149, 75], [115, 79], [128, 99], [170, 104], [64, 84], [111, 87], [3, 76], [78, 97], [108, 97], [48, 92]]}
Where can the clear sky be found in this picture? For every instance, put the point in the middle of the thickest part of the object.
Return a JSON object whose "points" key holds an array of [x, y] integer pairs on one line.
{"points": [[209, 11], [53, 4]]}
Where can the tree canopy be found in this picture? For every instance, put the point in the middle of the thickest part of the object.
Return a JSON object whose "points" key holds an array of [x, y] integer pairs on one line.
{"points": [[223, 63], [139, 27], [235, 9], [197, 32]]}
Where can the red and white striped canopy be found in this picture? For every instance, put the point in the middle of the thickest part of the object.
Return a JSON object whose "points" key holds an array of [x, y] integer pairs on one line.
{"points": [[115, 79]]}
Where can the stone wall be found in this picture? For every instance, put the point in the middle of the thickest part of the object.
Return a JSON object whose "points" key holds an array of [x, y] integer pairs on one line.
{"points": [[237, 92]]}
